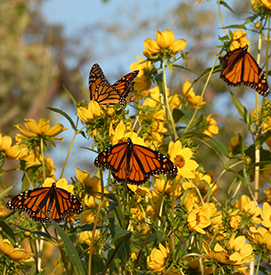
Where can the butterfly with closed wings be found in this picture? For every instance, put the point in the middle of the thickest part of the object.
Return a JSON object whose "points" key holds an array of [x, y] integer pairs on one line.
{"points": [[240, 68], [56, 202], [133, 163], [105, 93]]}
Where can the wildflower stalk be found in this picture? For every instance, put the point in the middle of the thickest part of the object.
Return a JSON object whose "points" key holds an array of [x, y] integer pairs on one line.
{"points": [[70, 147], [258, 133], [42, 158], [169, 113], [267, 45], [201, 96], [258, 264], [173, 209], [221, 18], [95, 223]]}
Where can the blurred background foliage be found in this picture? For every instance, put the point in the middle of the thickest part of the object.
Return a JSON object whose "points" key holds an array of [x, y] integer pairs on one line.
{"points": [[38, 58]]}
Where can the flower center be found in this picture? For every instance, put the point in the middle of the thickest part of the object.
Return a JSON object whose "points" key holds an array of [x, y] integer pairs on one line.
{"points": [[179, 161]]}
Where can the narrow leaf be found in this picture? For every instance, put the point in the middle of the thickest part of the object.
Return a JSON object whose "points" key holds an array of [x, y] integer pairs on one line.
{"points": [[65, 115], [242, 111]]}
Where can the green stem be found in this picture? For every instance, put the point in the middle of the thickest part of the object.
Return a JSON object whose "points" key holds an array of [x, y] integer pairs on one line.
{"points": [[258, 132], [95, 223], [258, 264], [201, 96], [221, 18], [42, 158], [70, 147], [169, 113]]}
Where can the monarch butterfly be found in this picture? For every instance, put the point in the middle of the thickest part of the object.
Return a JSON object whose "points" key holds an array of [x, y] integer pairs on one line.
{"points": [[240, 68], [134, 164], [57, 203], [105, 93]]}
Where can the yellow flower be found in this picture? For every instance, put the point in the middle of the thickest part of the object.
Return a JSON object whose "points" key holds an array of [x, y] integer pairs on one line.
{"points": [[212, 128], [143, 79], [199, 217], [260, 236], [190, 96], [265, 173], [266, 4], [266, 215], [240, 252], [134, 256], [89, 216], [118, 133], [164, 41], [159, 187], [239, 40], [110, 111], [136, 221], [93, 183], [61, 183], [200, 182], [154, 101], [139, 190], [16, 254], [33, 160], [234, 144], [267, 192], [234, 221], [156, 261], [12, 152], [195, 264], [86, 237], [2, 210], [42, 128], [93, 110], [174, 101], [249, 207], [182, 159]]}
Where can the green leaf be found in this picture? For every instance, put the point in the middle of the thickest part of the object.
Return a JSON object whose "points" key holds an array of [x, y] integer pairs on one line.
{"points": [[265, 155], [242, 111], [223, 148], [65, 115], [29, 176], [6, 191], [169, 66], [70, 250], [189, 114], [207, 72], [222, 3], [6, 231], [97, 264], [262, 138], [39, 233], [121, 234], [177, 114], [70, 95]]}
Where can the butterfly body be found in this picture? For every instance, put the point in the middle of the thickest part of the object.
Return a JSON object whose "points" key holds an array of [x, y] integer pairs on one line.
{"points": [[55, 202], [133, 163], [240, 68], [105, 93]]}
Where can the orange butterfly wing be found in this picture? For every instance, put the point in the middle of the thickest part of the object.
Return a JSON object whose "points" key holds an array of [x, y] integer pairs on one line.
{"points": [[134, 164], [105, 93], [55, 202], [240, 68], [124, 85]]}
